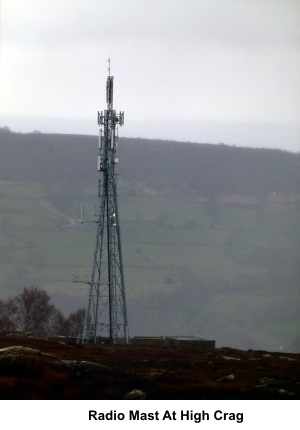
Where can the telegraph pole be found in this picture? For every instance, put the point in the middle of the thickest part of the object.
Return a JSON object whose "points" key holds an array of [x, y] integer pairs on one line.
{"points": [[106, 313]]}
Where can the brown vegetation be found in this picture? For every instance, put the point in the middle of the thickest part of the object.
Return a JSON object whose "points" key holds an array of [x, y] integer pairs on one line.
{"points": [[57, 370]]}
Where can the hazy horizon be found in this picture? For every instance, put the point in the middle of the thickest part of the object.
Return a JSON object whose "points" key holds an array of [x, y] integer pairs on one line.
{"points": [[190, 70], [284, 136]]}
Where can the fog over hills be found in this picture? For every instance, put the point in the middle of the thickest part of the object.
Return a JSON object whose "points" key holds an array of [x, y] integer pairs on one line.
{"points": [[276, 135]]}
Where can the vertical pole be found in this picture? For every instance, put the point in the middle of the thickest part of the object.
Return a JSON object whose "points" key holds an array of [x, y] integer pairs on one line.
{"points": [[106, 313]]}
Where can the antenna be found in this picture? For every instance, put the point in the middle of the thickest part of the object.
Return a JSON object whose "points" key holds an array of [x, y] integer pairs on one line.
{"points": [[106, 314], [81, 219], [109, 66]]}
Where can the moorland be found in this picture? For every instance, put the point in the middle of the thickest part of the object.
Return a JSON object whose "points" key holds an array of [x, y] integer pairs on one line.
{"points": [[34, 369]]}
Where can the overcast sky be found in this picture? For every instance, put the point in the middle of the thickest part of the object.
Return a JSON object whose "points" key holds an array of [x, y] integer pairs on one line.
{"points": [[199, 70]]}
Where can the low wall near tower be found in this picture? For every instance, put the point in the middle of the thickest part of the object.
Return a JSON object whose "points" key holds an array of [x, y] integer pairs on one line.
{"points": [[184, 341]]}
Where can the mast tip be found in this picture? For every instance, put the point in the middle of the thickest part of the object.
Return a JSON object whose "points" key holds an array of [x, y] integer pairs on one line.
{"points": [[109, 66]]}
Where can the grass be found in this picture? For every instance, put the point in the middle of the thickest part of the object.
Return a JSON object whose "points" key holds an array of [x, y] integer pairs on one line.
{"points": [[31, 229]]}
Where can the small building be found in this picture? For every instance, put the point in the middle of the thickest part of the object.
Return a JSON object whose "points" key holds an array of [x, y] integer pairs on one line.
{"points": [[175, 341]]}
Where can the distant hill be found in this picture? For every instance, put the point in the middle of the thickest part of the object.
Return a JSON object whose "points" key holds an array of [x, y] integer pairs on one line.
{"points": [[175, 167], [210, 233]]}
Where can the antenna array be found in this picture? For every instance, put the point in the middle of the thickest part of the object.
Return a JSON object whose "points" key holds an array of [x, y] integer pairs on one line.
{"points": [[106, 314]]}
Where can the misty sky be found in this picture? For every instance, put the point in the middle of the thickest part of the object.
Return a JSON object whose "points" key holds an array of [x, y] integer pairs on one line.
{"points": [[199, 70]]}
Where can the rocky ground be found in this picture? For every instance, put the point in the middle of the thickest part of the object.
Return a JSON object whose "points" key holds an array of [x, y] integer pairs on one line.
{"points": [[38, 369]]}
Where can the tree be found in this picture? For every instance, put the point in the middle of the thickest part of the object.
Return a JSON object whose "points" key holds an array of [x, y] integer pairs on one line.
{"points": [[8, 315], [33, 311], [57, 324], [76, 322]]}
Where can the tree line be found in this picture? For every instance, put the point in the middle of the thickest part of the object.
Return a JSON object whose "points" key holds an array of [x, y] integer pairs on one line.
{"points": [[32, 312], [182, 168]]}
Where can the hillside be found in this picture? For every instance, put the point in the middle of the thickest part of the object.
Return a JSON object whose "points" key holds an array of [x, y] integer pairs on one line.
{"points": [[210, 233], [178, 168]]}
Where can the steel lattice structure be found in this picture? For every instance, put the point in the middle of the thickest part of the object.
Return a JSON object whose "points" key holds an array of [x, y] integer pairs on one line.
{"points": [[106, 314]]}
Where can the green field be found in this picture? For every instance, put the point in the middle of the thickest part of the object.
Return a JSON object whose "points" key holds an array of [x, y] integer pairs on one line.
{"points": [[233, 274]]}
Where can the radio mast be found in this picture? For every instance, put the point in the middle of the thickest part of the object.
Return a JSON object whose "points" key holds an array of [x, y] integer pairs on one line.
{"points": [[106, 314]]}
